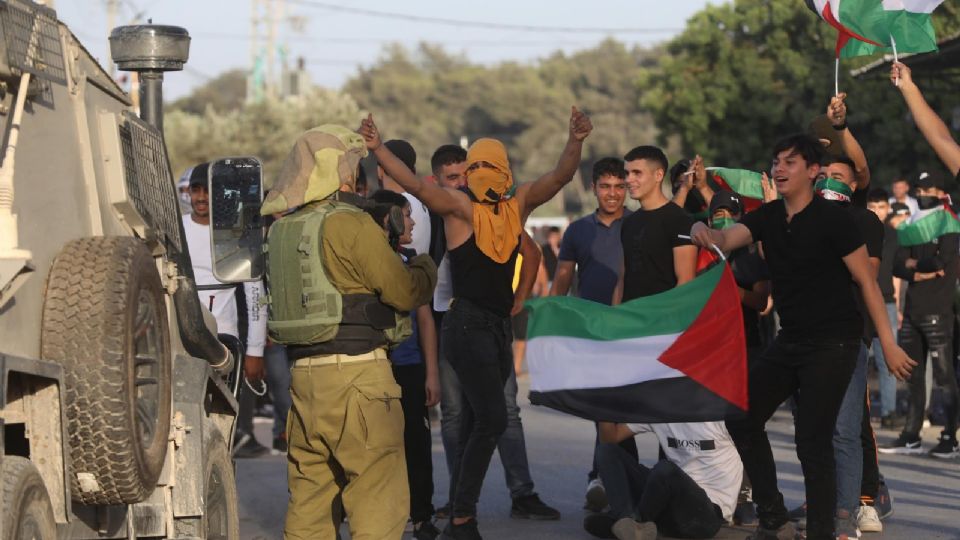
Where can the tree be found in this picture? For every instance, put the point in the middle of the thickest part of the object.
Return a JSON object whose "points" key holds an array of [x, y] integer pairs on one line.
{"points": [[266, 130], [226, 92]]}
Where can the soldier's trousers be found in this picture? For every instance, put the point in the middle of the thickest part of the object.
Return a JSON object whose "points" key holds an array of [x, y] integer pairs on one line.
{"points": [[345, 435]]}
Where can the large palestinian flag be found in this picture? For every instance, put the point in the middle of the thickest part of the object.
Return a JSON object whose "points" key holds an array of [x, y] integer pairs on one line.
{"points": [[679, 356], [871, 26], [927, 225]]}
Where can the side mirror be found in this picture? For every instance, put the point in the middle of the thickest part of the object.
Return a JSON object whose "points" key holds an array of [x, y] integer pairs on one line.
{"points": [[236, 232]]}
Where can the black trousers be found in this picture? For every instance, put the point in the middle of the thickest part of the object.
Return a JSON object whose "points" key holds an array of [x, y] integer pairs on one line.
{"points": [[417, 443], [478, 345], [930, 334], [815, 369], [664, 495]]}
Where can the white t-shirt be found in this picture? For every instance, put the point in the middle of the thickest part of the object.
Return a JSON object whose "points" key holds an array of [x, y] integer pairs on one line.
{"points": [[421, 229], [221, 302], [705, 451]]}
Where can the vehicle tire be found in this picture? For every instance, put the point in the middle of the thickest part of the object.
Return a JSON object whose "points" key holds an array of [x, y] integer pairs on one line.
{"points": [[105, 322], [27, 512], [221, 513]]}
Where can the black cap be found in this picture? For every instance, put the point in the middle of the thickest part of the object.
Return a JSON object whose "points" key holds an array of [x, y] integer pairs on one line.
{"points": [[199, 174], [403, 150], [929, 180], [726, 199], [899, 209]]}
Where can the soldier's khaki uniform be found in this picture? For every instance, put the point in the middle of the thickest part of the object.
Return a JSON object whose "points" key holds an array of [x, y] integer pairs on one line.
{"points": [[345, 429]]}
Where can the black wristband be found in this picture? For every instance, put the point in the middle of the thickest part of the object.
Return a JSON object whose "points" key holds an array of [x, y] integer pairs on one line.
{"points": [[841, 127]]}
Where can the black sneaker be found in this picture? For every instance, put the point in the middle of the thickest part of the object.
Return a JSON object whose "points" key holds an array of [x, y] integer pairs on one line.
{"points": [[531, 507], [599, 525], [946, 448], [903, 445], [464, 531], [884, 501], [279, 446], [425, 530], [246, 447], [745, 514]]}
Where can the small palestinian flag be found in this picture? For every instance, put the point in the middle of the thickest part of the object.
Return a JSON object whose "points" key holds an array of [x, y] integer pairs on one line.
{"points": [[927, 225], [678, 356], [747, 184]]}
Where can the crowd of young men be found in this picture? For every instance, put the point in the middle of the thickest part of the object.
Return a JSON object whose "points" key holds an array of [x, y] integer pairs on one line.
{"points": [[830, 269]]}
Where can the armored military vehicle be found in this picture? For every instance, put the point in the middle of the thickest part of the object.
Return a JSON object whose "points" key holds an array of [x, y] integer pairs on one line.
{"points": [[114, 407]]}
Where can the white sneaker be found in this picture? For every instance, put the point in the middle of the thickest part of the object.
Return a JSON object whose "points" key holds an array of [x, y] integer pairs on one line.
{"points": [[596, 496], [868, 520]]}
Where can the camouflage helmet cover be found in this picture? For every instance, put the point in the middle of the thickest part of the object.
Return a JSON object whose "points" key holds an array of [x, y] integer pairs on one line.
{"points": [[322, 159]]}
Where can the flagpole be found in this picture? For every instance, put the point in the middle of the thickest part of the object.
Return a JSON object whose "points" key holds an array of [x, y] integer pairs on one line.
{"points": [[893, 44], [714, 246], [836, 78]]}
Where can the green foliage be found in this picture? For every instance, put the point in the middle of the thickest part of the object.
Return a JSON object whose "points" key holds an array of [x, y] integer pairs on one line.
{"points": [[224, 92], [266, 130], [745, 73]]}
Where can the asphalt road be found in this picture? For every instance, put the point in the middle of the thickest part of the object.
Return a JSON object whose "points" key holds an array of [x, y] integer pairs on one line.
{"points": [[926, 491]]}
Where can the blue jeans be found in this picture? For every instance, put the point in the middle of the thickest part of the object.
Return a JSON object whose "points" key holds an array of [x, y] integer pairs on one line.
{"points": [[512, 446], [888, 383], [847, 448], [278, 383]]}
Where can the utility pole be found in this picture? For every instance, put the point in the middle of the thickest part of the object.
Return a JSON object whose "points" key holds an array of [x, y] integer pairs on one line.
{"points": [[252, 79], [113, 6]]}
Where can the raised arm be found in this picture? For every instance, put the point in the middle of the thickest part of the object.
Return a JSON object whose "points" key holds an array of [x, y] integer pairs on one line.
{"points": [[544, 188], [438, 199], [930, 124], [837, 113]]}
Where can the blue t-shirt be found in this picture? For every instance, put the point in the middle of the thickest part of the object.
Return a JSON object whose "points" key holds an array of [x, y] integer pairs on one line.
{"points": [[598, 254], [407, 352]]}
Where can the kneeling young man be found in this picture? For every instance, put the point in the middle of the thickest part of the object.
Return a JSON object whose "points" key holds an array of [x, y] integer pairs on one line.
{"points": [[813, 250], [691, 494]]}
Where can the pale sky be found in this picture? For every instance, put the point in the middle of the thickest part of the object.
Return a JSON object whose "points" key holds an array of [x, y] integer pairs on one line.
{"points": [[335, 43]]}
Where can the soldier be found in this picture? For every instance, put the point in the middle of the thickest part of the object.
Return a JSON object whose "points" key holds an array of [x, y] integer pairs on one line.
{"points": [[338, 295]]}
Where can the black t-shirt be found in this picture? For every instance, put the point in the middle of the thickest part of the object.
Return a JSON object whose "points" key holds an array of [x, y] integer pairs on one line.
{"points": [[885, 275], [648, 238], [811, 284], [932, 296], [871, 229], [748, 268]]}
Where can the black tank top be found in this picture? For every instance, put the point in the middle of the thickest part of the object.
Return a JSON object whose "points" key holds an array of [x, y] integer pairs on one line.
{"points": [[481, 280]]}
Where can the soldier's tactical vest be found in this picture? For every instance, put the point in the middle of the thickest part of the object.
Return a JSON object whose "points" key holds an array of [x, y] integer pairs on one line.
{"points": [[305, 309]]}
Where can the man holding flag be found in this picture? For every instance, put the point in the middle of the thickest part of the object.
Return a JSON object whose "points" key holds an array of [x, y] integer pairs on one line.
{"points": [[814, 251]]}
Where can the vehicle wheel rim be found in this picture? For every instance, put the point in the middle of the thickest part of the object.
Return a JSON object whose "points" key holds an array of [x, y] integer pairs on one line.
{"points": [[147, 351], [217, 510]]}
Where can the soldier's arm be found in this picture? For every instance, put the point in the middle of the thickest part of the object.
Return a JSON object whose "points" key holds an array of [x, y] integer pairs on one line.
{"points": [[403, 287]]}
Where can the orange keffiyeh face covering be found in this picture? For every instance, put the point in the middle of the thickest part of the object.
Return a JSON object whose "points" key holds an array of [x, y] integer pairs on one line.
{"points": [[496, 214]]}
